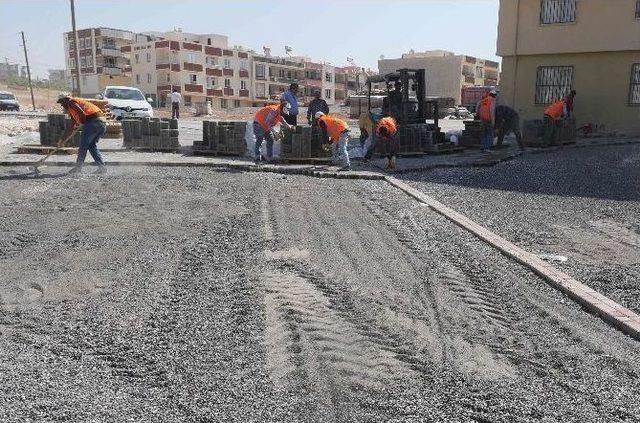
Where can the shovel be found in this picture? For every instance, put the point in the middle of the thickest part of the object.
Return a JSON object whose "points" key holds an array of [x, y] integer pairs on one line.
{"points": [[35, 168]]}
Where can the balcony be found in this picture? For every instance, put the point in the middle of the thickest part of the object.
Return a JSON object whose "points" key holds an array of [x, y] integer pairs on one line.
{"points": [[194, 67], [212, 51], [244, 73], [227, 52], [213, 72], [279, 61], [111, 70], [244, 93], [193, 88], [228, 91], [192, 46], [175, 68], [470, 79], [227, 72], [242, 55], [162, 44], [213, 92], [163, 66]]}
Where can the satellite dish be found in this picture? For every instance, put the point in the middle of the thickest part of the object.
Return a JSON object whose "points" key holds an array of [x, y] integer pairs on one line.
{"points": [[382, 57]]}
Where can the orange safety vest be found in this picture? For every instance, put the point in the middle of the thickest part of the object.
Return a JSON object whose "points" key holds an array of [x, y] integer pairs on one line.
{"points": [[389, 123], [335, 127], [556, 110], [89, 109], [485, 108], [263, 114]]}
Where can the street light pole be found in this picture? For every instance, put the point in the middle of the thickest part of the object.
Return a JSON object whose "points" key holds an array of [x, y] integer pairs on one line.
{"points": [[77, 46], [26, 58]]}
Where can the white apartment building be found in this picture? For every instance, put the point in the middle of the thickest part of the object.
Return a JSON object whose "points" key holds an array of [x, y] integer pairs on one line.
{"points": [[201, 67], [101, 60]]}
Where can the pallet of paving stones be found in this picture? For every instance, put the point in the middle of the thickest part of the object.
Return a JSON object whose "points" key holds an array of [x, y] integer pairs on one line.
{"points": [[44, 149], [54, 127], [472, 134], [533, 132], [150, 134], [222, 138], [303, 143], [414, 139]]}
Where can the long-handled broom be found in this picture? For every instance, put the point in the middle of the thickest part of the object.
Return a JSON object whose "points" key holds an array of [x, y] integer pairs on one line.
{"points": [[35, 168]]}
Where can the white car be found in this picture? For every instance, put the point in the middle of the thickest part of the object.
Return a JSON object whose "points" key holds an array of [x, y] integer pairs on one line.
{"points": [[127, 102]]}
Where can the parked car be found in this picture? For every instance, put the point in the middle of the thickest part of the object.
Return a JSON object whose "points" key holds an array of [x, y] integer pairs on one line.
{"points": [[127, 102], [8, 101]]}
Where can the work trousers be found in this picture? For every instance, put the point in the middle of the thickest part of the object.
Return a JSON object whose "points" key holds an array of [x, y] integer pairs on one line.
{"points": [[92, 130], [261, 135], [339, 148], [391, 146], [175, 110], [551, 130], [488, 135]]}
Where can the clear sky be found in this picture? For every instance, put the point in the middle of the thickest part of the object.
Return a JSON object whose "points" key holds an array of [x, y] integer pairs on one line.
{"points": [[329, 30]]}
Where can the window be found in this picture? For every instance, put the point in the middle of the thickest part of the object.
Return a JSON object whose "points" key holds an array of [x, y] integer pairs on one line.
{"points": [[243, 65], [634, 91], [168, 78], [328, 77], [137, 57], [227, 83], [148, 57], [260, 71], [89, 61], [327, 94], [148, 78], [281, 73], [243, 85], [227, 63], [224, 103], [137, 79], [260, 90], [553, 83], [187, 100], [83, 62], [211, 61], [236, 103], [211, 81], [72, 63], [193, 78], [193, 58], [557, 11], [479, 72]]}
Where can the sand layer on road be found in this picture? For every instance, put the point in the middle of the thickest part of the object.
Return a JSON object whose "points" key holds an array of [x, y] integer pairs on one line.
{"points": [[191, 295]]}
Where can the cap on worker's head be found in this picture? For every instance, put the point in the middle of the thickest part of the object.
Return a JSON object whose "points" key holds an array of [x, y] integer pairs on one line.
{"points": [[493, 93], [62, 97], [318, 115], [293, 86], [286, 107]]}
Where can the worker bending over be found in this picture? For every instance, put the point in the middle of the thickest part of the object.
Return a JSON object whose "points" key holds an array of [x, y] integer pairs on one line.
{"points": [[553, 116], [387, 132], [487, 113], [87, 114], [264, 122], [508, 120], [337, 131]]}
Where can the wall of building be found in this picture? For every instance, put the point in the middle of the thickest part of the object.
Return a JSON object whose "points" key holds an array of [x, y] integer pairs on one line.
{"points": [[611, 26], [602, 81]]}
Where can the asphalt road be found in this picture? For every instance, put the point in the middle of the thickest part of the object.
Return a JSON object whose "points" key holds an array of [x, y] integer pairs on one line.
{"points": [[186, 295]]}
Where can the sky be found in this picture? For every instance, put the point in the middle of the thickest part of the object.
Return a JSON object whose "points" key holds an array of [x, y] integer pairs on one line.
{"points": [[325, 30]]}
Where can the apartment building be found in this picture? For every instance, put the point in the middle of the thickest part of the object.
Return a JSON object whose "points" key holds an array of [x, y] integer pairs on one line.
{"points": [[446, 72], [202, 67], [273, 75], [101, 60], [552, 46], [350, 80]]}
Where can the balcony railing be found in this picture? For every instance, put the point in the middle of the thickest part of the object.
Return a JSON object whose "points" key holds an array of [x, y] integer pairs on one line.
{"points": [[278, 61]]}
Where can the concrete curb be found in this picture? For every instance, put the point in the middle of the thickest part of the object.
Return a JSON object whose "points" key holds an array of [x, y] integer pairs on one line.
{"points": [[611, 312]]}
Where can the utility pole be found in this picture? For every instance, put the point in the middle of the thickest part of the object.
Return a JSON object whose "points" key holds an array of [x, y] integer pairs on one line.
{"points": [[77, 46], [26, 58]]}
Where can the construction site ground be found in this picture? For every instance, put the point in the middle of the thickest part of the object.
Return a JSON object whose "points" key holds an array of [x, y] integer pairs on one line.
{"points": [[182, 288]]}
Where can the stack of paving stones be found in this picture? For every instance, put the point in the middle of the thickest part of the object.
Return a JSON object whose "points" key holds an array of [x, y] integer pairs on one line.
{"points": [[150, 134], [225, 138], [413, 139], [304, 142], [54, 127], [533, 132], [472, 134]]}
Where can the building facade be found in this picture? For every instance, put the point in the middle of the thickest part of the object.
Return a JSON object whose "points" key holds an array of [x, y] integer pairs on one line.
{"points": [[446, 73], [202, 67], [552, 46], [101, 60]]}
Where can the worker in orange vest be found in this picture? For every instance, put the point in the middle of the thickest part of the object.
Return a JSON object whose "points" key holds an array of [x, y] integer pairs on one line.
{"points": [[263, 123], [553, 116], [91, 117], [387, 132], [337, 131], [487, 113]]}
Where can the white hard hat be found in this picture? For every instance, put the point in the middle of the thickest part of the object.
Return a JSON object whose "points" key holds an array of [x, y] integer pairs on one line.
{"points": [[62, 96], [493, 92], [286, 108], [318, 115]]}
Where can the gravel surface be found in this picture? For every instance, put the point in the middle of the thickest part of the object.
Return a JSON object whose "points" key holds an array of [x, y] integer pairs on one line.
{"points": [[583, 204], [195, 296]]}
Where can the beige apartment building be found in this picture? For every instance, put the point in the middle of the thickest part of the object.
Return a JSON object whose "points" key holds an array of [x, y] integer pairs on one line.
{"points": [[101, 60], [593, 46], [446, 72], [202, 67]]}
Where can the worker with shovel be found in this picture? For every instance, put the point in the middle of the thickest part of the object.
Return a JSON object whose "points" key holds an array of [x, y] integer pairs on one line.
{"points": [[87, 114], [337, 131]]}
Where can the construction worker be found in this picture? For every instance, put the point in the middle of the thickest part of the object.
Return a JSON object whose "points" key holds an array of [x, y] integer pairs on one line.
{"points": [[569, 100], [387, 132], [337, 131], [176, 99], [553, 116], [316, 105], [91, 117], [367, 134], [508, 120], [263, 123], [290, 96], [487, 113]]}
